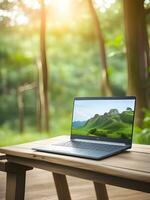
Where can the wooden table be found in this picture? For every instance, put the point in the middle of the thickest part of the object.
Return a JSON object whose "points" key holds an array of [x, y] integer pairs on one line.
{"points": [[130, 169]]}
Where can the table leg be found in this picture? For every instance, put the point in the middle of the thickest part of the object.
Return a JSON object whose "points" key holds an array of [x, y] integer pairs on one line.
{"points": [[101, 191], [61, 186], [15, 187]]}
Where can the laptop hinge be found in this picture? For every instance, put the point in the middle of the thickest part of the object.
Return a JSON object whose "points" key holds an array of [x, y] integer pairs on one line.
{"points": [[99, 142]]}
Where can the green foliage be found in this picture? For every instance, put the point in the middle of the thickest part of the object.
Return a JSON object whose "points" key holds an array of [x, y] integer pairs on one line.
{"points": [[92, 131], [142, 134], [9, 137]]}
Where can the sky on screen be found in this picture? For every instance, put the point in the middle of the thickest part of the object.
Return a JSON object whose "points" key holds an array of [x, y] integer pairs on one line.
{"points": [[85, 109]]}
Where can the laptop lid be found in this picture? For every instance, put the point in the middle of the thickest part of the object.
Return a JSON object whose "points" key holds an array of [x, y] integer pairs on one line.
{"points": [[108, 119]]}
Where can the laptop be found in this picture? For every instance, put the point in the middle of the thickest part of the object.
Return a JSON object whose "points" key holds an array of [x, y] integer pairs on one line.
{"points": [[101, 127]]}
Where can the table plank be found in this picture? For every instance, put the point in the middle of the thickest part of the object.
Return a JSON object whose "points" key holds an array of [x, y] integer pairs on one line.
{"points": [[134, 163], [98, 177], [133, 160], [141, 148]]}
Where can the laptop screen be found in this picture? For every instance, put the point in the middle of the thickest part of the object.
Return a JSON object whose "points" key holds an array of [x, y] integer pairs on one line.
{"points": [[109, 119]]}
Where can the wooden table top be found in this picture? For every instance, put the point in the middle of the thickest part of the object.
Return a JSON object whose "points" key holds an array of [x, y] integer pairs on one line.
{"points": [[133, 164]]}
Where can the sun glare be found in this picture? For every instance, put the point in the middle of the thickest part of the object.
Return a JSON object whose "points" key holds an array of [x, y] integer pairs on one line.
{"points": [[103, 5], [15, 15], [63, 6], [34, 4], [21, 19], [62, 10]]}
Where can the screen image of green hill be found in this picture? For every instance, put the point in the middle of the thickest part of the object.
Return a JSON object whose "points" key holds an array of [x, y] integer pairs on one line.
{"points": [[111, 124]]}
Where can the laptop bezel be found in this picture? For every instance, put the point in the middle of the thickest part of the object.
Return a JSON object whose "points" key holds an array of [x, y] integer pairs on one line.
{"points": [[94, 138]]}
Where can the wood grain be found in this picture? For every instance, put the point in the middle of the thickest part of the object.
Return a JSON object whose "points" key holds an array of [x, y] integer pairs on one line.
{"points": [[61, 184], [133, 164], [16, 174], [15, 187], [86, 174], [40, 186], [101, 191]]}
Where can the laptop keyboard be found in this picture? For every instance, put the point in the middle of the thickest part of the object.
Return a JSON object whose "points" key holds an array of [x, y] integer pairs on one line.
{"points": [[91, 146]]}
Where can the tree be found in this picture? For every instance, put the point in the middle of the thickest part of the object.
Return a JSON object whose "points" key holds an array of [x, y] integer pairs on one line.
{"points": [[137, 56], [105, 83], [20, 92], [45, 105]]}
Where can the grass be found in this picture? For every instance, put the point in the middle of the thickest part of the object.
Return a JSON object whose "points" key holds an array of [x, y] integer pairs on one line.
{"points": [[112, 124], [112, 130], [8, 137]]}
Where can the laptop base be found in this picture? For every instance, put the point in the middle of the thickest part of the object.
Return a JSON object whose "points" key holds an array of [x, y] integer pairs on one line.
{"points": [[82, 153]]}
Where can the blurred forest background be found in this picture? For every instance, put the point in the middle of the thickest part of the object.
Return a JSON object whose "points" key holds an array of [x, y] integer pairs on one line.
{"points": [[51, 51]]}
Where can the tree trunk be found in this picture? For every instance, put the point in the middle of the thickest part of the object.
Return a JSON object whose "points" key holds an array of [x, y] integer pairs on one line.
{"points": [[105, 84], [136, 53], [20, 110], [44, 66], [20, 92], [39, 100]]}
